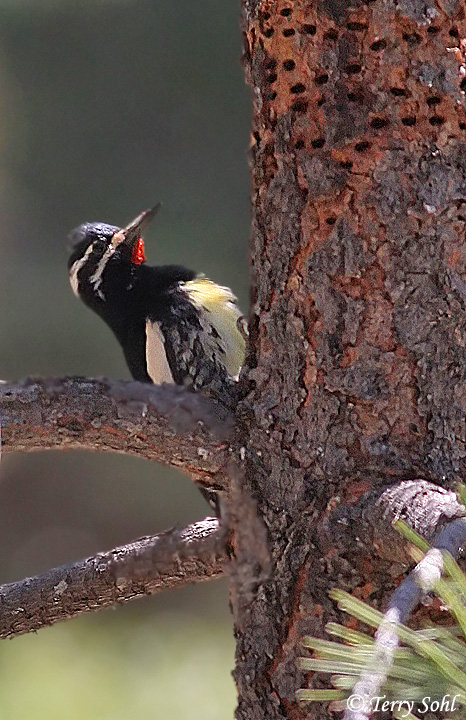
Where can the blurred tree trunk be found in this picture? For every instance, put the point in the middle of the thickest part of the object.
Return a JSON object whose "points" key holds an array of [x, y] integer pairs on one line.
{"points": [[358, 265]]}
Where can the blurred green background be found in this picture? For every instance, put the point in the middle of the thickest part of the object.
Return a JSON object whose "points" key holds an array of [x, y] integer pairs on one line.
{"points": [[105, 108]]}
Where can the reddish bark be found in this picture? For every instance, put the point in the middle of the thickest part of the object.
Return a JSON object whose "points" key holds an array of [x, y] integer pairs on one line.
{"points": [[359, 329]]}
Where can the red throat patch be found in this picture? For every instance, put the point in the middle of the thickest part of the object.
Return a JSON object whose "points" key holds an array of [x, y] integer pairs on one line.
{"points": [[138, 256]]}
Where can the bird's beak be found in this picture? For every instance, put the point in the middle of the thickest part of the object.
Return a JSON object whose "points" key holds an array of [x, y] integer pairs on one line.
{"points": [[133, 231]]}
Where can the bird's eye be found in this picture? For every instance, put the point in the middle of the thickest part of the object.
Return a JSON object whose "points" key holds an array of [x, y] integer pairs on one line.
{"points": [[99, 247]]}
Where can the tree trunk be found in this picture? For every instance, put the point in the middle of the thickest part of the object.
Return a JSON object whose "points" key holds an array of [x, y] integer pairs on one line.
{"points": [[358, 378]]}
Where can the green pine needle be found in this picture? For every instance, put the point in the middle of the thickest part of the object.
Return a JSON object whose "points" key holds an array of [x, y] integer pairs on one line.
{"points": [[432, 662]]}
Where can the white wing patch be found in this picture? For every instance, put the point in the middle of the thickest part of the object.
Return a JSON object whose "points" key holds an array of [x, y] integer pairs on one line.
{"points": [[219, 310], [158, 368], [75, 268]]}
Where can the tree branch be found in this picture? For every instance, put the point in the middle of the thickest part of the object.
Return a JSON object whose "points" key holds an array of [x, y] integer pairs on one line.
{"points": [[164, 423], [144, 567], [420, 581], [368, 523]]}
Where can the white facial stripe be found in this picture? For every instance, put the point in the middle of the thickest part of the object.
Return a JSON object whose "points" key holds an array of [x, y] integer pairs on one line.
{"points": [[96, 277], [75, 268], [118, 238]]}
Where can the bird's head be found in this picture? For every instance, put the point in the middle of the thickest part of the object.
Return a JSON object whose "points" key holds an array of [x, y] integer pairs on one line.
{"points": [[104, 258]]}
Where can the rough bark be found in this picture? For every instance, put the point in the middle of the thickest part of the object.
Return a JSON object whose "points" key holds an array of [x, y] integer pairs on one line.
{"points": [[357, 368], [166, 423], [144, 567], [358, 327]]}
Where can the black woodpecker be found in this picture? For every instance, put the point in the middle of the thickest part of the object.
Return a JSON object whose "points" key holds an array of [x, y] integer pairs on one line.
{"points": [[174, 326]]}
